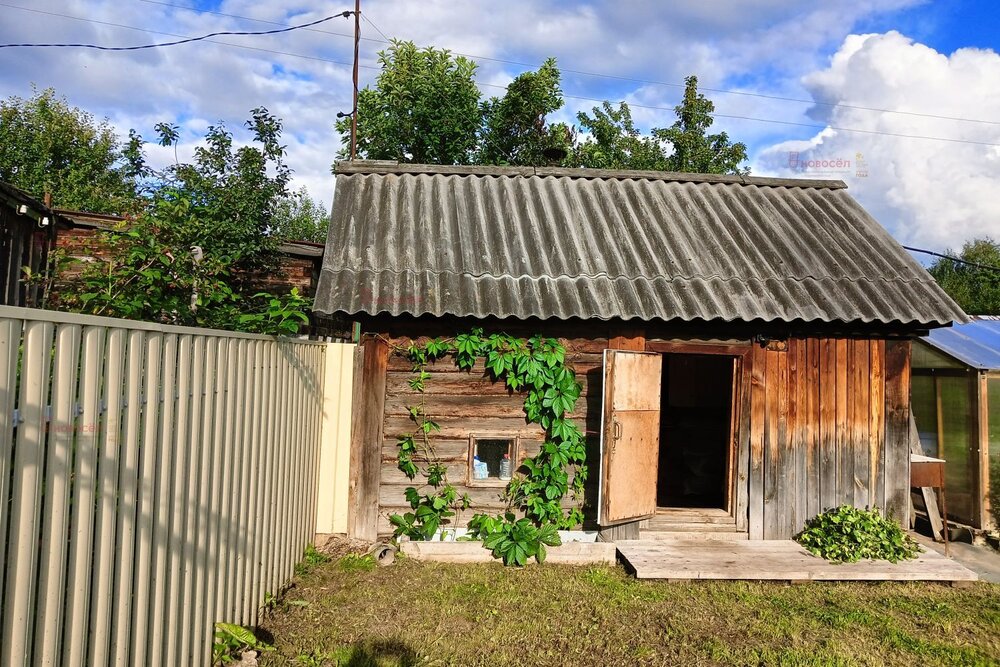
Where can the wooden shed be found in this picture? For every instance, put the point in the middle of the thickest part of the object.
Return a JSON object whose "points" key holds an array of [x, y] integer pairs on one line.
{"points": [[956, 407], [743, 343], [26, 234]]}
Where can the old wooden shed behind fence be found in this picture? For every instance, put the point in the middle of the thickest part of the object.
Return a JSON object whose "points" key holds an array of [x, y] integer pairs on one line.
{"points": [[743, 343], [956, 406]]}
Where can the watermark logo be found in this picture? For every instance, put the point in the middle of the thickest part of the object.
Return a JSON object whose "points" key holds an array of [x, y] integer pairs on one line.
{"points": [[829, 166]]}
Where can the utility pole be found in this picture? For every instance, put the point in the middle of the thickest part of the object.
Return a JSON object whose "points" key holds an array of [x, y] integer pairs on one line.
{"points": [[354, 112]]}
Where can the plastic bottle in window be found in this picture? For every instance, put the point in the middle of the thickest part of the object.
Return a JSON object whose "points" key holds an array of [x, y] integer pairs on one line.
{"points": [[506, 467]]}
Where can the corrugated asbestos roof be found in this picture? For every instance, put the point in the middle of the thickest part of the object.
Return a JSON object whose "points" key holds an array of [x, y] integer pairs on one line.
{"points": [[524, 242], [976, 344]]}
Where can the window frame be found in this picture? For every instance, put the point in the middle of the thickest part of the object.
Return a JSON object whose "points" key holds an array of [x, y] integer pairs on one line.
{"points": [[514, 449]]}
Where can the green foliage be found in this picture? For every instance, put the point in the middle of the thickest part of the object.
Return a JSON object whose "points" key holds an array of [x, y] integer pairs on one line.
{"points": [[975, 289], [535, 367], [233, 640], [848, 534], [299, 217], [46, 145], [424, 108], [234, 194], [357, 563], [514, 540], [514, 130], [192, 255], [615, 143], [281, 314], [311, 557], [694, 150]]}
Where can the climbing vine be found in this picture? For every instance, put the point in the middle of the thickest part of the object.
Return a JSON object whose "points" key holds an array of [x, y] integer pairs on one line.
{"points": [[535, 367]]}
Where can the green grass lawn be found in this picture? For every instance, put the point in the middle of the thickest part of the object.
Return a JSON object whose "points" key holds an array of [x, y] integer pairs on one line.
{"points": [[347, 612]]}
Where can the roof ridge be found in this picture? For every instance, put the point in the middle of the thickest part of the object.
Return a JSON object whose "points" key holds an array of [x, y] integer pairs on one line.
{"points": [[394, 168], [605, 274]]}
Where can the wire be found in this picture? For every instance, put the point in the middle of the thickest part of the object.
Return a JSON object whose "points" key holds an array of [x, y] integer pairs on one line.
{"points": [[377, 29], [782, 122], [172, 34], [577, 97], [952, 258], [247, 18], [725, 91], [186, 40]]}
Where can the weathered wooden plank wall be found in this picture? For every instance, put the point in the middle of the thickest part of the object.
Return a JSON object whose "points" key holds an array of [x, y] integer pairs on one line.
{"points": [[826, 423], [469, 403], [823, 423]]}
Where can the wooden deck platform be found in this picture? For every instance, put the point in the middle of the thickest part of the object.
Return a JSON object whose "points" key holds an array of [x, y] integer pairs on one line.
{"points": [[771, 560]]}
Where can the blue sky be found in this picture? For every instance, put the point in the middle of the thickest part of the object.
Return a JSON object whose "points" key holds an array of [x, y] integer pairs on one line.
{"points": [[867, 60]]}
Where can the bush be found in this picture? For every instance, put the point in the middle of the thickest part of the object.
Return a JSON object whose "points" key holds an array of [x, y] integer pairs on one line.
{"points": [[848, 534]]}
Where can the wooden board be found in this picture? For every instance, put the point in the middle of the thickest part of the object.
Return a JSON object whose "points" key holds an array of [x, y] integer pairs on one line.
{"points": [[781, 560], [897, 430], [630, 436], [568, 553], [366, 439]]}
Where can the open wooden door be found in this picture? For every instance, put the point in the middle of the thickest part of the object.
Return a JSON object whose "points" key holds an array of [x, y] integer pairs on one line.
{"points": [[630, 436]]}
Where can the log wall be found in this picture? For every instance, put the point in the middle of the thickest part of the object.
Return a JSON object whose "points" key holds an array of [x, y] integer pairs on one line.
{"points": [[468, 403], [822, 423]]}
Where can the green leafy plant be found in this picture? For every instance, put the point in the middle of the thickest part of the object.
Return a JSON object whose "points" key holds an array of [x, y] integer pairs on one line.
{"points": [[535, 367], [233, 640], [281, 314], [311, 557], [847, 534], [514, 540], [357, 563], [436, 501]]}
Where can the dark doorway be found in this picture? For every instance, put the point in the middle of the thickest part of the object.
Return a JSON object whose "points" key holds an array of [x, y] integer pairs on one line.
{"points": [[695, 428]]}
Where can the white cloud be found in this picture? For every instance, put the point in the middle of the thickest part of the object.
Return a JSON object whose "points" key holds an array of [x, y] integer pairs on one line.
{"points": [[776, 47], [930, 193]]}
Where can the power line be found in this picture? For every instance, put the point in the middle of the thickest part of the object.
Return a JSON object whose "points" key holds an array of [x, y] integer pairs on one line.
{"points": [[248, 18], [953, 259], [725, 91], [377, 29], [172, 34], [781, 122], [571, 96], [186, 40]]}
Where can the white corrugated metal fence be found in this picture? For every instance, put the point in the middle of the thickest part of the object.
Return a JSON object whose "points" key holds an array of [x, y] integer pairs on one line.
{"points": [[154, 479]]}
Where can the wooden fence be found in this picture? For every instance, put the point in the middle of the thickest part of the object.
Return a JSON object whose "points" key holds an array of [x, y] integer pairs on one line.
{"points": [[154, 479]]}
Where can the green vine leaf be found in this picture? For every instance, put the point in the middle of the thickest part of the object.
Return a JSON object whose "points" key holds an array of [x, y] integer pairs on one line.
{"points": [[536, 367]]}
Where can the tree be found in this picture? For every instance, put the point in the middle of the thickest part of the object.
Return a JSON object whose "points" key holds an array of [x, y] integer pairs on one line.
{"points": [[685, 146], [424, 108], [975, 288], [194, 254], [615, 143], [694, 150], [299, 217], [514, 131], [48, 146], [234, 194]]}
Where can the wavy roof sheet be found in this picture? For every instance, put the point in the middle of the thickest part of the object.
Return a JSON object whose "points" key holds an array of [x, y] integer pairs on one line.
{"points": [[976, 344], [534, 242]]}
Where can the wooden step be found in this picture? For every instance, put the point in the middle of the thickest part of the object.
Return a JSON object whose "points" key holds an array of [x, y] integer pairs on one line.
{"points": [[691, 526], [691, 515], [670, 535]]}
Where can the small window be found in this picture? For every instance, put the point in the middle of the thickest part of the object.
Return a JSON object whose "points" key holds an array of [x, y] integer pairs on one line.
{"points": [[491, 451]]}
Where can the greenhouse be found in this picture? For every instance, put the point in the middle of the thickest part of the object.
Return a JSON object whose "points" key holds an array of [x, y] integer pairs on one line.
{"points": [[956, 406]]}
